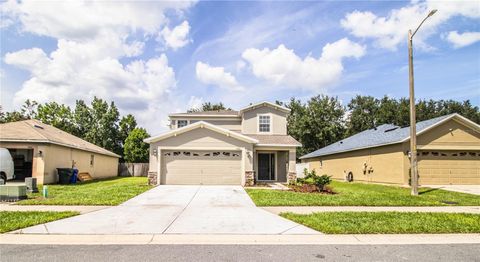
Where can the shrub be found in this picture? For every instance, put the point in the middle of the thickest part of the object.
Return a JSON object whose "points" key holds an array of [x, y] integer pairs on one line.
{"points": [[311, 178], [322, 181]]}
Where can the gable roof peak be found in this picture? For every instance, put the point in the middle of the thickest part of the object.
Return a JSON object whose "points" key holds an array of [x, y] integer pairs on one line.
{"points": [[264, 103]]}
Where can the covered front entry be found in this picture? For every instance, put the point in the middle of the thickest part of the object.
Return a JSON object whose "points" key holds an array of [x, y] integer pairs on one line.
{"points": [[266, 166], [186, 167], [449, 168]]}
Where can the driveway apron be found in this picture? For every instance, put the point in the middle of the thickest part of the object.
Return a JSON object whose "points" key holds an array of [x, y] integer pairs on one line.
{"points": [[178, 210]]}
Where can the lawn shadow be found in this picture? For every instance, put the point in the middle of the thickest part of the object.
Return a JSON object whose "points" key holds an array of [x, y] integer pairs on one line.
{"points": [[428, 191]]}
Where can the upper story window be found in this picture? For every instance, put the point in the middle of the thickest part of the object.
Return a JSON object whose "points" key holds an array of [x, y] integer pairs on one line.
{"points": [[264, 122], [182, 123]]}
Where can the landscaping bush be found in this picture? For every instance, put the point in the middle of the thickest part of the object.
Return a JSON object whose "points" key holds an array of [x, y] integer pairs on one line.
{"points": [[311, 182]]}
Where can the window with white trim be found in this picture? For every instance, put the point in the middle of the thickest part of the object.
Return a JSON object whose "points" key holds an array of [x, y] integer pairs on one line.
{"points": [[264, 122], [182, 123]]}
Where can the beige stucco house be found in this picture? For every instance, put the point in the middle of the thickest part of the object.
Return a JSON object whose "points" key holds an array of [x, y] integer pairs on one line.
{"points": [[224, 147], [39, 149], [448, 153]]}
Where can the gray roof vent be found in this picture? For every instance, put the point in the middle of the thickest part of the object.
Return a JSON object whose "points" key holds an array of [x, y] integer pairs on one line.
{"points": [[37, 126]]}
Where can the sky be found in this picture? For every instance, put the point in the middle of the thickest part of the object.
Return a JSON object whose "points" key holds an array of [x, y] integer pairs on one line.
{"points": [[154, 58]]}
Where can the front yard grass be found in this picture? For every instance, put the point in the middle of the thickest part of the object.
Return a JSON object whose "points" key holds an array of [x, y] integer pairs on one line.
{"points": [[12, 220], [388, 222], [109, 192], [359, 194]]}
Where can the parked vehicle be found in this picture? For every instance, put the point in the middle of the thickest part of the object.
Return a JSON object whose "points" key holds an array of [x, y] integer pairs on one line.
{"points": [[6, 165]]}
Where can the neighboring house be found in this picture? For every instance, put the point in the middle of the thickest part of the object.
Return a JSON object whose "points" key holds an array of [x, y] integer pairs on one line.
{"points": [[225, 147], [448, 153], [39, 149]]}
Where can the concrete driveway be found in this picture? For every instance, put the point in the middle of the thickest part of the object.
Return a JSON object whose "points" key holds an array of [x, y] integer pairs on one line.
{"points": [[469, 189], [178, 210]]}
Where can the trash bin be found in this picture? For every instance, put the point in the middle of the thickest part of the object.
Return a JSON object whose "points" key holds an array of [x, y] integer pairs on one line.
{"points": [[64, 175], [73, 178]]}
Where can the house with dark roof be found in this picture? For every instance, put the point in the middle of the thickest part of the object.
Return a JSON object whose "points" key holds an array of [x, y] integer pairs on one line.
{"points": [[448, 153], [39, 149], [225, 147]]}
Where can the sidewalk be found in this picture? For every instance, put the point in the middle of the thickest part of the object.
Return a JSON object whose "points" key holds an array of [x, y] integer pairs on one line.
{"points": [[312, 209], [81, 209], [154, 239]]}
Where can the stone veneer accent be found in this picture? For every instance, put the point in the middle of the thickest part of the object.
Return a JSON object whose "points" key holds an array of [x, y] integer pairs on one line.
{"points": [[152, 178], [291, 177], [249, 178]]}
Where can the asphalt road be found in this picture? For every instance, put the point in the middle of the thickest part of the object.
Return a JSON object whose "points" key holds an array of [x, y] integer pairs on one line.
{"points": [[119, 253]]}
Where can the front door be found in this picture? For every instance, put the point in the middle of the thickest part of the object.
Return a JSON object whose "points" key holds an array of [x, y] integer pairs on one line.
{"points": [[266, 166]]}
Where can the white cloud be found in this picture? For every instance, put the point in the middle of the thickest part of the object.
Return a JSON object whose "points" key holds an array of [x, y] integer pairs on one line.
{"points": [[216, 76], [81, 20], [177, 37], [282, 66], [391, 30], [195, 102], [92, 38], [462, 39]]}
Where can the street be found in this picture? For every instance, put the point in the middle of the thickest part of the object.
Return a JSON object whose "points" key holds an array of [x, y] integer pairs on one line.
{"points": [[119, 253]]}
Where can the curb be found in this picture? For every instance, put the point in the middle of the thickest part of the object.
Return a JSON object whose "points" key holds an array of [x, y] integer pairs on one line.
{"points": [[166, 239]]}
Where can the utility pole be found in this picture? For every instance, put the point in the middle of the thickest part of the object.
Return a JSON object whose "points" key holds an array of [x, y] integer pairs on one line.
{"points": [[413, 131]]}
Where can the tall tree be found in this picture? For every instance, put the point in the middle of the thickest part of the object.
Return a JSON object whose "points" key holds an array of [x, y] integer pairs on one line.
{"points": [[207, 106], [57, 115], [127, 124], [83, 119], [317, 123], [29, 109], [135, 150], [387, 111], [362, 114]]}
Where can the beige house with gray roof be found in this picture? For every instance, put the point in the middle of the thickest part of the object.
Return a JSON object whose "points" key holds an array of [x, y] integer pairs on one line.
{"points": [[39, 149], [225, 147], [448, 154]]}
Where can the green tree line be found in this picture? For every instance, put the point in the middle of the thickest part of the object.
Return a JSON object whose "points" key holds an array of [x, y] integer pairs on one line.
{"points": [[98, 123], [323, 120], [316, 123]]}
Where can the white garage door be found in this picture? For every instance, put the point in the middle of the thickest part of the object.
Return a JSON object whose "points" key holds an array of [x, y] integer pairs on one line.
{"points": [[201, 167], [449, 168]]}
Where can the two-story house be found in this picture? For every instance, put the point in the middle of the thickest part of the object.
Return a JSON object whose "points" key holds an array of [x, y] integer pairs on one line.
{"points": [[224, 148]]}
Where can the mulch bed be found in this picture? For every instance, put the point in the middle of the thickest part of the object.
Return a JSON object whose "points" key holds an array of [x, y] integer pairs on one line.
{"points": [[307, 188]]}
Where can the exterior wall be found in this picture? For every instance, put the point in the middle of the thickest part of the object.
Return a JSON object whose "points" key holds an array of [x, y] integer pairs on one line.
{"points": [[59, 156], [278, 118], [202, 139], [230, 124], [383, 165], [44, 165], [450, 136]]}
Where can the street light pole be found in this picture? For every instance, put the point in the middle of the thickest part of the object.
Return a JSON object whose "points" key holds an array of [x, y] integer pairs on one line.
{"points": [[413, 131]]}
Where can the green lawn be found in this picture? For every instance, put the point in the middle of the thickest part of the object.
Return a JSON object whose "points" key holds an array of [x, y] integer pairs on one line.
{"points": [[388, 222], [359, 194], [12, 220], [108, 192]]}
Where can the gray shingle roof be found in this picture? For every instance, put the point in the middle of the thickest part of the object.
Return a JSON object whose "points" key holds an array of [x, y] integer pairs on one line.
{"points": [[383, 135]]}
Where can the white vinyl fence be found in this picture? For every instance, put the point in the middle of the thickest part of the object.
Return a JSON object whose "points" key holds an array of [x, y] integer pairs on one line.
{"points": [[300, 167]]}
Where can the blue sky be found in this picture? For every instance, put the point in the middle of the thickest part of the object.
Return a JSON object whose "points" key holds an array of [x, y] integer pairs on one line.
{"points": [[154, 58]]}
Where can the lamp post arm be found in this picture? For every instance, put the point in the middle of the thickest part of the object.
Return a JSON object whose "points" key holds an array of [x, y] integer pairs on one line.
{"points": [[414, 32]]}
